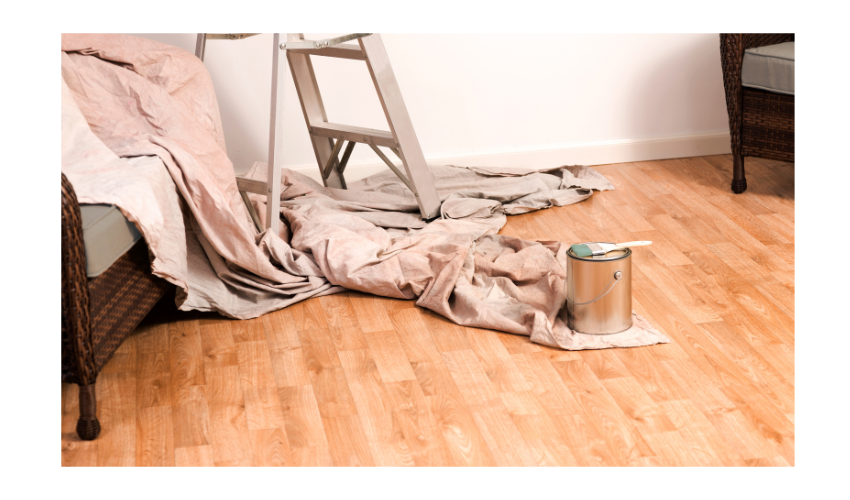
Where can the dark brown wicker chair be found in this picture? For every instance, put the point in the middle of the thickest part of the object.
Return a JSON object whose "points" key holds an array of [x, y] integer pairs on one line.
{"points": [[98, 313], [761, 123]]}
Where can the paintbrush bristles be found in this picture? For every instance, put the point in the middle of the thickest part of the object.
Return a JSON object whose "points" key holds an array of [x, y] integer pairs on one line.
{"points": [[581, 250]]}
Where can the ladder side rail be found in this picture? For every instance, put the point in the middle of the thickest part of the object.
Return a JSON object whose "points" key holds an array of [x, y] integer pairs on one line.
{"points": [[275, 136], [200, 46], [400, 125]]}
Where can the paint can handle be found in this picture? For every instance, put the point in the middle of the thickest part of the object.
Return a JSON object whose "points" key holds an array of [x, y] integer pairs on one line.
{"points": [[618, 275]]}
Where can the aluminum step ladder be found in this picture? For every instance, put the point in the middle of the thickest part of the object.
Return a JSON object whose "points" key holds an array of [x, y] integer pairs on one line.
{"points": [[328, 138]]}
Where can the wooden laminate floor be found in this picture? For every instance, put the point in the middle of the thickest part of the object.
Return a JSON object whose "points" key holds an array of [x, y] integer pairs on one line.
{"points": [[353, 379]]}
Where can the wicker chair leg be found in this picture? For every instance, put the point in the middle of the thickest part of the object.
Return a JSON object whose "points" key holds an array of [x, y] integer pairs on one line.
{"points": [[739, 180], [88, 427]]}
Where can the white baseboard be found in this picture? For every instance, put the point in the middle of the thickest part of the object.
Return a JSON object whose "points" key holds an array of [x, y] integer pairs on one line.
{"points": [[595, 153]]}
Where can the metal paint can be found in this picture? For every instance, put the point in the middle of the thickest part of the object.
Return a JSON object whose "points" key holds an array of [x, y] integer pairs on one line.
{"points": [[599, 292]]}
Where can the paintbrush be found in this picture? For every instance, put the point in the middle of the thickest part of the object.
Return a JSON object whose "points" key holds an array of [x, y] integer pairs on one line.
{"points": [[593, 249]]}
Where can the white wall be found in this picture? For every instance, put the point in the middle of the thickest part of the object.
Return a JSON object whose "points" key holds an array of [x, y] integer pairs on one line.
{"points": [[535, 100]]}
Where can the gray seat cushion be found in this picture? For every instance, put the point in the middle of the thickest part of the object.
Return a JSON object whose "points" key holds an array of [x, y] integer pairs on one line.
{"points": [[769, 68], [107, 235]]}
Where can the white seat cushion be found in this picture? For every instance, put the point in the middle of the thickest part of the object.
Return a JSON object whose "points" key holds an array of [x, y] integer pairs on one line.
{"points": [[769, 68], [107, 235]]}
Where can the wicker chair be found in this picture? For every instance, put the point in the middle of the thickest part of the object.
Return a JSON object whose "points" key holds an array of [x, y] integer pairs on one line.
{"points": [[761, 123], [98, 313]]}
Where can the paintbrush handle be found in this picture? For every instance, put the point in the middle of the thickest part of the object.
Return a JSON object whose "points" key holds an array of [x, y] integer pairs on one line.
{"points": [[631, 244]]}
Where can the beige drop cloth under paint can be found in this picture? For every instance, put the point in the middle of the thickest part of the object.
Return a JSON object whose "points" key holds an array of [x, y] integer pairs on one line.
{"points": [[599, 293]]}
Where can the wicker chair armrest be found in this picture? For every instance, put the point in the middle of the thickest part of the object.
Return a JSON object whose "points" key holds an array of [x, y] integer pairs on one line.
{"points": [[731, 58], [751, 40], [733, 45], [78, 364]]}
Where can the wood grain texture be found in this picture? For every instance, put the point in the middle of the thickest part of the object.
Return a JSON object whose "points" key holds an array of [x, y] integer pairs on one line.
{"points": [[280, 330], [290, 368], [194, 456], [537, 429], [383, 434], [342, 322], [190, 417], [154, 437], [389, 355], [506, 444], [228, 419], [116, 410], [425, 359], [153, 384], [303, 425], [249, 330], [186, 355], [217, 343], [270, 448], [417, 422], [463, 438], [601, 410], [328, 380], [472, 381], [496, 361], [371, 313], [447, 336], [347, 442], [357, 380]]}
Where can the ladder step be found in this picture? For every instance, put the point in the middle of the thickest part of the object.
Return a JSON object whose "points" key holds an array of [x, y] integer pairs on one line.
{"points": [[251, 185], [228, 36], [346, 51], [354, 134]]}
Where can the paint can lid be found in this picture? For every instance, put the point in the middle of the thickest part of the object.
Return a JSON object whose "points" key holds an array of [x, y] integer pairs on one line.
{"points": [[612, 255]]}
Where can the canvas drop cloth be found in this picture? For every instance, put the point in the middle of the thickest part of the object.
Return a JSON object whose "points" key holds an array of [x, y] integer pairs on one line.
{"points": [[141, 130]]}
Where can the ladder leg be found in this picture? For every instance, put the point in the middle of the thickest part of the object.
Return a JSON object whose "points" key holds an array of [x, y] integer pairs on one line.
{"points": [[275, 136], [200, 45], [314, 112], [400, 125]]}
